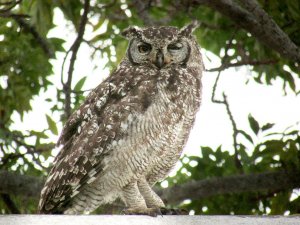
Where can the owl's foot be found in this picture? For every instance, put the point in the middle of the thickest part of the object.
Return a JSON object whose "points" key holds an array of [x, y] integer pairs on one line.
{"points": [[166, 211], [142, 211]]}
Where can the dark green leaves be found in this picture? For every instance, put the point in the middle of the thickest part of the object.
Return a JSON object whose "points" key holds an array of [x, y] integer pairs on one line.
{"points": [[25, 66], [268, 155]]}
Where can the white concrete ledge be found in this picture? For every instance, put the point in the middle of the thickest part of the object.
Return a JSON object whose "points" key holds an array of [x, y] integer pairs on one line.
{"points": [[145, 220]]}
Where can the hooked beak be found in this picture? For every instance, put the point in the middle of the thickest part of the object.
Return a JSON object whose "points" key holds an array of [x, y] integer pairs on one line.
{"points": [[159, 61]]}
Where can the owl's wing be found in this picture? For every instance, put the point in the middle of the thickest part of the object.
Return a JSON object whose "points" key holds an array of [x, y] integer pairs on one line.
{"points": [[82, 113], [89, 134]]}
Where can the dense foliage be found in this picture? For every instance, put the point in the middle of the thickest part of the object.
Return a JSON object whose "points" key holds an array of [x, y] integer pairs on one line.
{"points": [[25, 67]]}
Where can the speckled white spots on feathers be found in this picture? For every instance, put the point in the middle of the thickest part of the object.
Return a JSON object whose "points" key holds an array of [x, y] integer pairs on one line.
{"points": [[132, 127]]}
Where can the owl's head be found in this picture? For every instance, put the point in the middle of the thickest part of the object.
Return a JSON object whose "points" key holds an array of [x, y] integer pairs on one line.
{"points": [[160, 47]]}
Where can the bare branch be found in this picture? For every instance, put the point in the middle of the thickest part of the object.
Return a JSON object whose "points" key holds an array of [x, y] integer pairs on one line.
{"points": [[74, 48], [244, 63], [238, 163], [213, 96]]}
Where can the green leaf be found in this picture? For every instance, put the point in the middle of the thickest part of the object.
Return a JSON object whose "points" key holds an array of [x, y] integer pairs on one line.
{"points": [[290, 79], [80, 84], [267, 126], [100, 23], [57, 44], [253, 124], [247, 136], [294, 132], [52, 125], [38, 134]]}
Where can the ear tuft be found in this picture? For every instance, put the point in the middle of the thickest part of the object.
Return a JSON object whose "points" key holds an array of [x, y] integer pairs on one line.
{"points": [[131, 32], [189, 29]]}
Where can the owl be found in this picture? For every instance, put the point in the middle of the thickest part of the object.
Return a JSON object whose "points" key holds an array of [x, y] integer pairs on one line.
{"points": [[131, 129]]}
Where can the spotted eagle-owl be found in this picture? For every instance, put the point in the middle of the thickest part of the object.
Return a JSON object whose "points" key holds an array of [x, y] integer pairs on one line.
{"points": [[131, 129]]}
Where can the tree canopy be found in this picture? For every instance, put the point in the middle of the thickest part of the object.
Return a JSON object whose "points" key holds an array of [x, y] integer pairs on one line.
{"points": [[260, 174]]}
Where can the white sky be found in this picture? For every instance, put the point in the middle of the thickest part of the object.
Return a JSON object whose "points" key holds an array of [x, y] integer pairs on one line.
{"points": [[212, 127]]}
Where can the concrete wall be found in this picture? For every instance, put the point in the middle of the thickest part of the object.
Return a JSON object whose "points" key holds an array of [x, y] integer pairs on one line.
{"points": [[145, 220]]}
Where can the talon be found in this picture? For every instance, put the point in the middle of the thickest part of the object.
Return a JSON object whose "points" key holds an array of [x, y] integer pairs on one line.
{"points": [[166, 211], [154, 212]]}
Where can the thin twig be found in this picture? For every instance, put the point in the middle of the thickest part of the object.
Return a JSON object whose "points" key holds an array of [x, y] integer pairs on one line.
{"points": [[30, 149], [13, 15], [10, 5], [225, 102], [74, 48], [213, 96], [238, 163], [8, 157], [244, 63], [224, 59], [63, 67]]}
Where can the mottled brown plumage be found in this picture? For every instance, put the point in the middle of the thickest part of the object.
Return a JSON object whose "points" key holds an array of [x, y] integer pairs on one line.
{"points": [[131, 129]]}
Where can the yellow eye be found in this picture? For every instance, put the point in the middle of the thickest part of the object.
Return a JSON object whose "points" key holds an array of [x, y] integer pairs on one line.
{"points": [[144, 48]]}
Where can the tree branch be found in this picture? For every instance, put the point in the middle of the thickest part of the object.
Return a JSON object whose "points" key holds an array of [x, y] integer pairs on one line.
{"points": [[256, 21], [74, 48], [268, 181], [15, 184]]}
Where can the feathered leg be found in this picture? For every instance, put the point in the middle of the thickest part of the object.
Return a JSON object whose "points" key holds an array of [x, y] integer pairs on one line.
{"points": [[151, 198], [154, 201], [135, 201]]}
